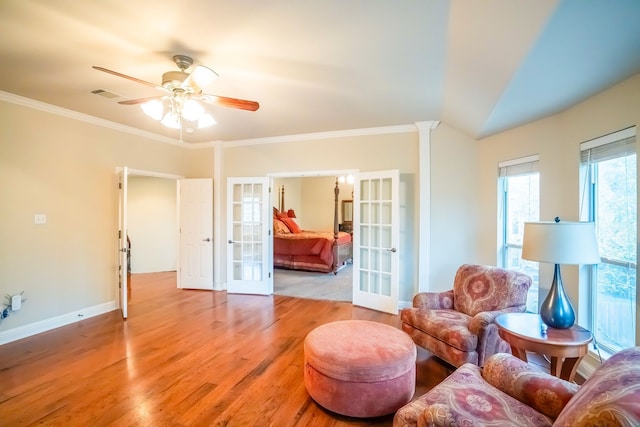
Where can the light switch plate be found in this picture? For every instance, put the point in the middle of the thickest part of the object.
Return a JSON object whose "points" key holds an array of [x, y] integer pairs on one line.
{"points": [[40, 218], [16, 302]]}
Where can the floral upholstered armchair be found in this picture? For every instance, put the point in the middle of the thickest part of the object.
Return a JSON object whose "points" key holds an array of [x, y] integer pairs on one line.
{"points": [[510, 392], [458, 325]]}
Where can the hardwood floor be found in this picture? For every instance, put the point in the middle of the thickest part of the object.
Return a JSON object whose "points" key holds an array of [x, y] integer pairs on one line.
{"points": [[183, 358]]}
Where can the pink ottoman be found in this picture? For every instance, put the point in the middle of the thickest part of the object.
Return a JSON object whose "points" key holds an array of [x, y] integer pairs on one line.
{"points": [[359, 368]]}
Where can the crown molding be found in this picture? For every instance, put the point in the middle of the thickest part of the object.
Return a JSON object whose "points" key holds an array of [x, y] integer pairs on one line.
{"points": [[48, 108], [42, 106], [323, 135]]}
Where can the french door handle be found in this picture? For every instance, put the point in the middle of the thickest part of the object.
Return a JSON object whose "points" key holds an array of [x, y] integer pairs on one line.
{"points": [[230, 241], [206, 240], [392, 250]]}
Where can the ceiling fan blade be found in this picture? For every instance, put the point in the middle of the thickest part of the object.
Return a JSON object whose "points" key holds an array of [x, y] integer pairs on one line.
{"points": [[134, 79], [138, 101], [241, 104]]}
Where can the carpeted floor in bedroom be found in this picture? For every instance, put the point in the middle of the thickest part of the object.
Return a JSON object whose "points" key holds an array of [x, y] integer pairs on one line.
{"points": [[304, 284]]}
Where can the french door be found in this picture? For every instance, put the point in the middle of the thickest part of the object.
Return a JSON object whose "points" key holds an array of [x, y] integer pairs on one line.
{"points": [[376, 241], [249, 264]]}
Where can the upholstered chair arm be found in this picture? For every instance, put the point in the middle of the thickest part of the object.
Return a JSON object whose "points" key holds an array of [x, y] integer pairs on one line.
{"points": [[484, 327], [481, 321], [434, 300], [539, 390]]}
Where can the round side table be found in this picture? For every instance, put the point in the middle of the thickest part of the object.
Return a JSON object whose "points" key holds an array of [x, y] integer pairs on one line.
{"points": [[565, 347]]}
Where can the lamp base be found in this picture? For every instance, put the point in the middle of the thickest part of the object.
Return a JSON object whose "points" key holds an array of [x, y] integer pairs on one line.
{"points": [[556, 310]]}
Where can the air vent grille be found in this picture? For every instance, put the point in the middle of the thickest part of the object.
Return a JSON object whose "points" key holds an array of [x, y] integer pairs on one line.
{"points": [[104, 93]]}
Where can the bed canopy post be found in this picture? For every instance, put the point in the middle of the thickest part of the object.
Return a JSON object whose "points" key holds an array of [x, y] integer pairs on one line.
{"points": [[282, 198], [336, 228]]}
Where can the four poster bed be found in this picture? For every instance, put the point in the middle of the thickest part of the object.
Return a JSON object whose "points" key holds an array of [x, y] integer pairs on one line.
{"points": [[296, 249]]}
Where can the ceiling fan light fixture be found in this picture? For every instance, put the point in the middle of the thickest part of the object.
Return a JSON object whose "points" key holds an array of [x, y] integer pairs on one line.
{"points": [[171, 120], [181, 106], [153, 109], [206, 120], [203, 76], [192, 110]]}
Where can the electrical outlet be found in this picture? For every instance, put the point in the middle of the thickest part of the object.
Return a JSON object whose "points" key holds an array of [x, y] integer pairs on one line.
{"points": [[16, 302]]}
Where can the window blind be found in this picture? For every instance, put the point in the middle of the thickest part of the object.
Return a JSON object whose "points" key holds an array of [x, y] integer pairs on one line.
{"points": [[617, 144], [521, 166]]}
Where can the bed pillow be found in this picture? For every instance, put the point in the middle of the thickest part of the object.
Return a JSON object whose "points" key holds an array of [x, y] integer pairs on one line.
{"points": [[291, 224], [280, 227]]}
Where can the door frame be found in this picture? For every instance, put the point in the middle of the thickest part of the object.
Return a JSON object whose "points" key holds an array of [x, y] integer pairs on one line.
{"points": [[307, 174], [141, 172]]}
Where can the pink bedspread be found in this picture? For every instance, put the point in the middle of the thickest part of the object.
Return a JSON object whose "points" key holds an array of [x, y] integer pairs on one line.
{"points": [[308, 250]]}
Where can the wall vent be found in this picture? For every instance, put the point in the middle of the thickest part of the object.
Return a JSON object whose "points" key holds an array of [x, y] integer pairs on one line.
{"points": [[104, 93]]}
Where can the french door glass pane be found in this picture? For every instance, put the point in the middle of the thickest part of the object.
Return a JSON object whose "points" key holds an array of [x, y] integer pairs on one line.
{"points": [[385, 284], [385, 189], [364, 280], [247, 232]]}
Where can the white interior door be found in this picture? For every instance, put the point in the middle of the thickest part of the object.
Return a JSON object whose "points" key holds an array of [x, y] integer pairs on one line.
{"points": [[196, 233], [123, 249], [249, 260], [376, 241]]}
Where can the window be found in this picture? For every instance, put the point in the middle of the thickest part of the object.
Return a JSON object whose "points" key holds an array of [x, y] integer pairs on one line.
{"points": [[519, 185], [609, 170]]}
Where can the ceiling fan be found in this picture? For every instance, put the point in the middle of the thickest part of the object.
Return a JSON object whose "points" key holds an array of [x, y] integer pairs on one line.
{"points": [[182, 91]]}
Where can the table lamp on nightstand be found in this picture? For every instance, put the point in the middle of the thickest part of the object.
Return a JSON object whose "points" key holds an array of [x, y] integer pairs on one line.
{"points": [[558, 243]]}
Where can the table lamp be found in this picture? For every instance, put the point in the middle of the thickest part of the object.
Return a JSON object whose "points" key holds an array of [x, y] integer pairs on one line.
{"points": [[558, 243]]}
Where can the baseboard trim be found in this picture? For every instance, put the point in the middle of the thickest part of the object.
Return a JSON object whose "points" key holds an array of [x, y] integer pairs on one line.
{"points": [[404, 304], [55, 322], [589, 363]]}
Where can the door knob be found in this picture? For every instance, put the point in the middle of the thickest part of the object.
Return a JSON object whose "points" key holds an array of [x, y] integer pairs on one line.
{"points": [[392, 250], [206, 240]]}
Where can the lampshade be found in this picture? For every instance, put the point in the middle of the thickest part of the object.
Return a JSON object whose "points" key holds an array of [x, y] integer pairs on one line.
{"points": [[291, 213], [561, 242]]}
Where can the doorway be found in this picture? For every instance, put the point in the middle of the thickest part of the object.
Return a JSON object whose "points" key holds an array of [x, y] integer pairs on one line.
{"points": [[152, 214], [312, 198]]}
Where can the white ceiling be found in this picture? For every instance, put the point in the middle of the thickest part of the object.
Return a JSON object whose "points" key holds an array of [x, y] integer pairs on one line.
{"points": [[330, 65]]}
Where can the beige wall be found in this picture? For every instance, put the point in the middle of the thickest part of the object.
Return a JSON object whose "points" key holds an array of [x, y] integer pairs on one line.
{"points": [[363, 153], [556, 139], [455, 214], [292, 194], [152, 224], [65, 169], [312, 198]]}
